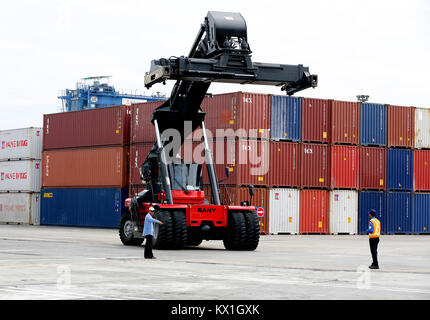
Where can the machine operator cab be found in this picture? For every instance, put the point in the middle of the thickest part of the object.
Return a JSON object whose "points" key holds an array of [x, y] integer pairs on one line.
{"points": [[186, 183]]}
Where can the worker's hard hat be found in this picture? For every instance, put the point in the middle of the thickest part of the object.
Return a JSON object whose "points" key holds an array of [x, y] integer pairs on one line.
{"points": [[151, 209]]}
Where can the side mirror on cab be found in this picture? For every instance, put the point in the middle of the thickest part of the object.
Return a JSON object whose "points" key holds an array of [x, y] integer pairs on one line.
{"points": [[227, 172], [251, 190]]}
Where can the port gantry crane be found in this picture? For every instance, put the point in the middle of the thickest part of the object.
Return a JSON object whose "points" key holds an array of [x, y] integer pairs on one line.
{"points": [[220, 53]]}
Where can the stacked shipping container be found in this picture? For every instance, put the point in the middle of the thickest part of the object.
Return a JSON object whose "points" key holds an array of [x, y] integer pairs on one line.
{"points": [[326, 150], [85, 167], [20, 166]]}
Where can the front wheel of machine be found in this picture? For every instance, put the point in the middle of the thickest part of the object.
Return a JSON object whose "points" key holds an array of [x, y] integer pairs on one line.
{"points": [[235, 238], [179, 225], [126, 227], [162, 238], [252, 231]]}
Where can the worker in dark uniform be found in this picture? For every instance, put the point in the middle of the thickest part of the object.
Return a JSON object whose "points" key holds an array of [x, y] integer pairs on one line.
{"points": [[148, 232], [374, 232]]}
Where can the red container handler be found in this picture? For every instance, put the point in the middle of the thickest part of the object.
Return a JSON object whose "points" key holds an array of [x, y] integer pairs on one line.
{"points": [[373, 168], [315, 166], [249, 112], [345, 122], [314, 214], [316, 118], [344, 167], [87, 128], [284, 164], [86, 167], [421, 170], [138, 154], [142, 129], [401, 126]]}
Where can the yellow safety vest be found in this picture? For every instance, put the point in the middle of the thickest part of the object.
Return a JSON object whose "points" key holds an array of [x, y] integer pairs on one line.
{"points": [[376, 228]]}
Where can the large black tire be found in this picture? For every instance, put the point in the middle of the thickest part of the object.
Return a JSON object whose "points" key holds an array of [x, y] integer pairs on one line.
{"points": [[126, 231], [193, 240], [179, 232], [252, 230], [163, 233], [235, 238]]}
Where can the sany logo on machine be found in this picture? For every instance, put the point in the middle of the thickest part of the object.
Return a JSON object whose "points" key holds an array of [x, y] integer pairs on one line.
{"points": [[14, 144], [208, 210], [14, 176]]}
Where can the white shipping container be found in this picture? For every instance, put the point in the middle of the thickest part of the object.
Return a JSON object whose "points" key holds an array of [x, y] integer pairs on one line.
{"points": [[23, 176], [422, 128], [343, 211], [23, 208], [284, 210], [20, 144]]}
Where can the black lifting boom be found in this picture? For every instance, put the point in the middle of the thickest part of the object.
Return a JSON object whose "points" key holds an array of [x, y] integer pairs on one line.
{"points": [[220, 53]]}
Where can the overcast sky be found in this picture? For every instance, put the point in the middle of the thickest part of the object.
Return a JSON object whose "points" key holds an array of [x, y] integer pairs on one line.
{"points": [[376, 47]]}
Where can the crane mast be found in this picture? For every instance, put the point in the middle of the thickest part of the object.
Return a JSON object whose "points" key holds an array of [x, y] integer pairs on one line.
{"points": [[220, 53]]}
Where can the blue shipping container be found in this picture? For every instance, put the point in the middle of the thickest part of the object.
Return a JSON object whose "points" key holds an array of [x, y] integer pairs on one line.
{"points": [[399, 212], [286, 118], [368, 200], [373, 124], [400, 169], [421, 213], [82, 207]]}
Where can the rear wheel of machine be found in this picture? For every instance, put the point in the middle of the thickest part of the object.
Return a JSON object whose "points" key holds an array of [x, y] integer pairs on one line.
{"points": [[179, 232], [235, 238], [126, 227], [162, 238], [252, 230]]}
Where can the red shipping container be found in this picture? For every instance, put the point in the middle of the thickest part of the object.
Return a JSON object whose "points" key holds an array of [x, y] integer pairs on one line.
{"points": [[142, 129], [314, 211], [315, 166], [260, 199], [344, 167], [316, 116], [422, 170], [373, 168], [249, 112], [284, 164], [87, 128], [401, 126], [87, 167], [138, 154], [345, 122], [248, 160]]}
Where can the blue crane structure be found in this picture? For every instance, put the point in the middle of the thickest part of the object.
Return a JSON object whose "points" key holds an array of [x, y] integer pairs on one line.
{"points": [[100, 94]]}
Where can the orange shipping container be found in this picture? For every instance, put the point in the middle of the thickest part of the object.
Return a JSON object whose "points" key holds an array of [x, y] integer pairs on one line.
{"points": [[315, 166], [316, 120], [373, 168], [345, 122], [138, 154], [284, 164], [421, 170], [89, 167], [249, 112], [314, 214], [142, 129], [344, 167], [400, 126], [248, 160]]}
